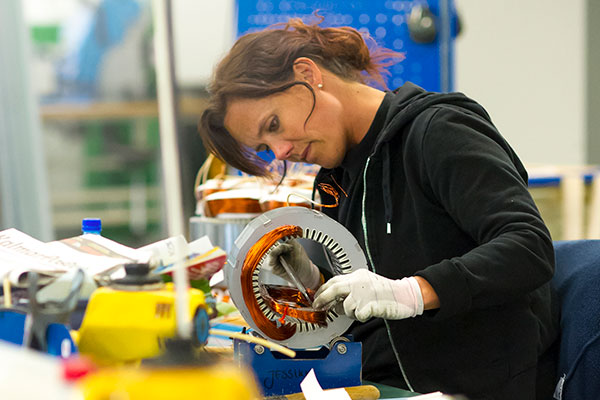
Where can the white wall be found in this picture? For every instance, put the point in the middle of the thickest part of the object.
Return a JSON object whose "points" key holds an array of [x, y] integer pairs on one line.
{"points": [[524, 60], [203, 31]]}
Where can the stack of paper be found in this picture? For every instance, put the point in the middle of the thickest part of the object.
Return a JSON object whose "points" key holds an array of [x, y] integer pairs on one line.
{"points": [[100, 257]]}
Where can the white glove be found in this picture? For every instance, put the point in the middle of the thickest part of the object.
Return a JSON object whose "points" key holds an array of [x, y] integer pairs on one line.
{"points": [[299, 262], [366, 295]]}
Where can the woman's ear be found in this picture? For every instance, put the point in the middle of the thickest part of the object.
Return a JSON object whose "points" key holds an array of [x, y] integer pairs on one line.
{"points": [[308, 71]]}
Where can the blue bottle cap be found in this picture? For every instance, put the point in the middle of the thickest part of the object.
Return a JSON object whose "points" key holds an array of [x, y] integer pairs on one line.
{"points": [[91, 225]]}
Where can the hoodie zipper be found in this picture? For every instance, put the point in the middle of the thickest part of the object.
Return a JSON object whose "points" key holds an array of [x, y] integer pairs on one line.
{"points": [[372, 264]]}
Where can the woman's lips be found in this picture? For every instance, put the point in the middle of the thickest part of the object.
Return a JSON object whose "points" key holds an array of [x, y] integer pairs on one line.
{"points": [[305, 153]]}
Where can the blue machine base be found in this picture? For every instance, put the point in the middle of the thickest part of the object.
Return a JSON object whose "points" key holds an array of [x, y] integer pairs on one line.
{"points": [[58, 338], [279, 375]]}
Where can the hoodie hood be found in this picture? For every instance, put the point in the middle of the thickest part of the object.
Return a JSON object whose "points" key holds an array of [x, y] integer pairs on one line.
{"points": [[409, 101]]}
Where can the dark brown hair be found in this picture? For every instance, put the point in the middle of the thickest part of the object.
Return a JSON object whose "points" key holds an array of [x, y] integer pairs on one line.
{"points": [[261, 64]]}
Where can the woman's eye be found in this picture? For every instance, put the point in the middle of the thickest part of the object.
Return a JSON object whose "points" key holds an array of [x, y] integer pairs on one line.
{"points": [[274, 124]]}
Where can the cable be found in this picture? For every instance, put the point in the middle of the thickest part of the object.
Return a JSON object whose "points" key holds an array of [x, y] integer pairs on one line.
{"points": [[249, 338]]}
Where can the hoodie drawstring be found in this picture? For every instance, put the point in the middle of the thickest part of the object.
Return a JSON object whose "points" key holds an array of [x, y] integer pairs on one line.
{"points": [[387, 188]]}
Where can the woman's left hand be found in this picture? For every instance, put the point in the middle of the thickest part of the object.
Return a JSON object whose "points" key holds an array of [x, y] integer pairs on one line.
{"points": [[365, 294]]}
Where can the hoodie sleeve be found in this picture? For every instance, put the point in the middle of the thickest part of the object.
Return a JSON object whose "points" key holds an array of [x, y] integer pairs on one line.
{"points": [[476, 177]]}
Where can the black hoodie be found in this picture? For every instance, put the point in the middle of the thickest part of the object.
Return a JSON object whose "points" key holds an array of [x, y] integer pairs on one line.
{"points": [[435, 191]]}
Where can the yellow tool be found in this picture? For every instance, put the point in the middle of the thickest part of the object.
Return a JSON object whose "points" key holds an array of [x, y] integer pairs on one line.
{"points": [[133, 320], [219, 381], [130, 320]]}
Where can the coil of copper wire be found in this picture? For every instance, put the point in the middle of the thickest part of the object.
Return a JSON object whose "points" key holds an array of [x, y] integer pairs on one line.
{"points": [[280, 312]]}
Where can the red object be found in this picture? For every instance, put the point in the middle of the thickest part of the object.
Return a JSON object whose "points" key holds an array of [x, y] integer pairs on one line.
{"points": [[77, 367], [204, 268]]}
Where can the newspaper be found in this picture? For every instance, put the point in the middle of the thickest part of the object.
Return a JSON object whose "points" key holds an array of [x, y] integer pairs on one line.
{"points": [[21, 253], [100, 257]]}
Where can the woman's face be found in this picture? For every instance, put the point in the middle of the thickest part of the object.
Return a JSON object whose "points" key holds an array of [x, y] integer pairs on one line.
{"points": [[279, 122]]}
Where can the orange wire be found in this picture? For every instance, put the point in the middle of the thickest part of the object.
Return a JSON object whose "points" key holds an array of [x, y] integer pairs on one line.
{"points": [[338, 185], [283, 314], [256, 252], [291, 302], [282, 300], [330, 190]]}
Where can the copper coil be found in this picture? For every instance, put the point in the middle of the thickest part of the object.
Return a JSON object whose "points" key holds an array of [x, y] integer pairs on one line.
{"points": [[251, 262], [289, 301], [330, 190], [273, 204], [286, 301], [212, 208]]}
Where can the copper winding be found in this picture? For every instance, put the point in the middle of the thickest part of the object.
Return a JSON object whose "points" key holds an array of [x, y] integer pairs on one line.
{"points": [[283, 299], [256, 252], [284, 302], [273, 204], [215, 207], [330, 190]]}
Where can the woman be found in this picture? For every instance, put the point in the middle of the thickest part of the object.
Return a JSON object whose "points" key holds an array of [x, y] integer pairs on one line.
{"points": [[457, 296]]}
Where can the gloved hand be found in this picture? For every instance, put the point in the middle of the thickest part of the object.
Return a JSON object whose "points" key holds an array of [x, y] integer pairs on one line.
{"points": [[366, 294], [299, 262]]}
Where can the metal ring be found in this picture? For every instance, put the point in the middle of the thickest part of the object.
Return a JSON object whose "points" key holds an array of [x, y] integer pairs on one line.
{"points": [[343, 251]]}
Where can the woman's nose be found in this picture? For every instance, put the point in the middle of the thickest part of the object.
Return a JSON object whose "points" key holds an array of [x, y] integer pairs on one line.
{"points": [[282, 150]]}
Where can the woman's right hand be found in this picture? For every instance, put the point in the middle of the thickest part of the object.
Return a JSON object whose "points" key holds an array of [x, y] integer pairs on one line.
{"points": [[299, 262]]}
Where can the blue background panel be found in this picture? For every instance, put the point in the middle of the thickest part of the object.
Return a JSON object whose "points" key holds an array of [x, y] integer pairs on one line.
{"points": [[385, 21]]}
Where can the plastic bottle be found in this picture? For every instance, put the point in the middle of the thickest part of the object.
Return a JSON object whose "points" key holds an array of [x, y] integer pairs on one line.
{"points": [[91, 225]]}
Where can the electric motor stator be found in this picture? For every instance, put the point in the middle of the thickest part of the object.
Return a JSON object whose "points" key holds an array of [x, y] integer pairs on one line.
{"points": [[248, 280]]}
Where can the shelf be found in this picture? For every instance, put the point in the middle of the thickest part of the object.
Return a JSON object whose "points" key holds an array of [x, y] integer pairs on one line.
{"points": [[188, 106]]}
